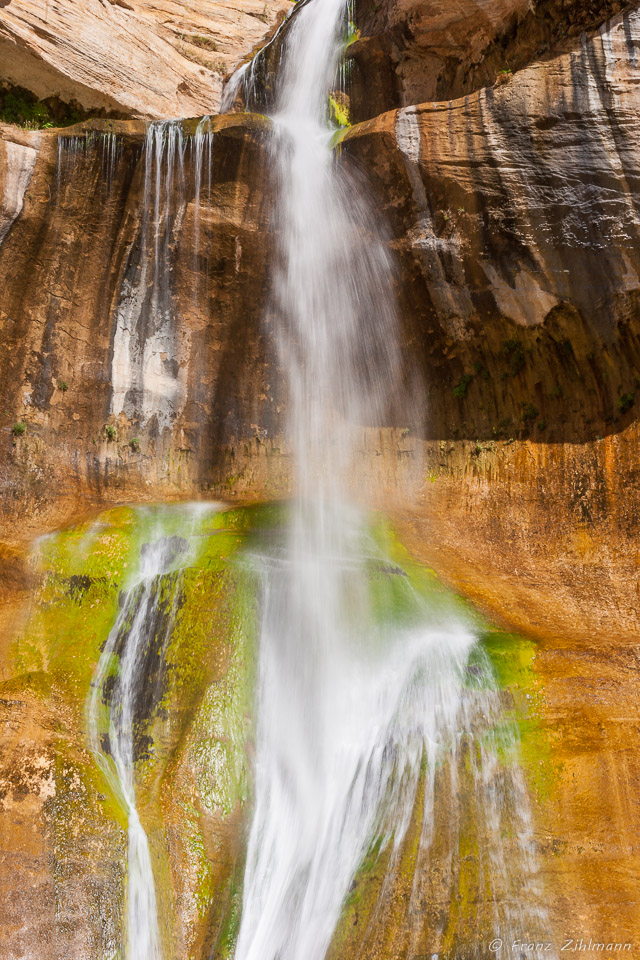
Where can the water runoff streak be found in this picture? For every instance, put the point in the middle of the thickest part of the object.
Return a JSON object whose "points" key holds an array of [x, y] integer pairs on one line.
{"points": [[350, 707], [139, 634]]}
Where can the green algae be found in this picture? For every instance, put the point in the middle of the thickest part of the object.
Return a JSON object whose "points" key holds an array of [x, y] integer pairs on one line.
{"points": [[500, 659], [401, 591], [201, 719]]}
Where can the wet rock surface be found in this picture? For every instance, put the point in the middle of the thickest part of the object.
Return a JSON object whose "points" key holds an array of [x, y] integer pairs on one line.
{"points": [[512, 210], [514, 214]]}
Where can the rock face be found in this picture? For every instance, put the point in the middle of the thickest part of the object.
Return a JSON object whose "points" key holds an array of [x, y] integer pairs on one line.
{"points": [[412, 51], [141, 58], [516, 222], [125, 337], [136, 362]]}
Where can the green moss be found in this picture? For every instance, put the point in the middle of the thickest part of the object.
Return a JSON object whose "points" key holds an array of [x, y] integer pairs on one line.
{"points": [[201, 719], [460, 389], [625, 402], [513, 351], [338, 113]]}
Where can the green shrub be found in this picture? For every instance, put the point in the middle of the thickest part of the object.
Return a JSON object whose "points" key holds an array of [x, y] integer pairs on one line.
{"points": [[19, 428], [460, 389], [63, 386], [625, 402], [110, 432], [514, 353], [134, 443], [529, 412], [20, 107]]}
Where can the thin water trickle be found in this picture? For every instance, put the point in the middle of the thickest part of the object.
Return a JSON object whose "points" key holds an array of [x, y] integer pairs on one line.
{"points": [[349, 712], [112, 710], [147, 378]]}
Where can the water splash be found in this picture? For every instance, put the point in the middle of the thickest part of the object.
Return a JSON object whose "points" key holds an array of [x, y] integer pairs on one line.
{"points": [[350, 712]]}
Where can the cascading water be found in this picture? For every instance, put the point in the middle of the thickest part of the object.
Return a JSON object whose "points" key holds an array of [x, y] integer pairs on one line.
{"points": [[112, 713], [349, 709], [145, 384]]}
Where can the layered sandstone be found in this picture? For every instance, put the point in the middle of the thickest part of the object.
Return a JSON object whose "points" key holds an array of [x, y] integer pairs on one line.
{"points": [[141, 58], [413, 51], [513, 216], [515, 220]]}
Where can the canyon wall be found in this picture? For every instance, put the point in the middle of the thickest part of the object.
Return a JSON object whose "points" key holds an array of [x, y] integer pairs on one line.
{"points": [[512, 213], [136, 361], [141, 58]]}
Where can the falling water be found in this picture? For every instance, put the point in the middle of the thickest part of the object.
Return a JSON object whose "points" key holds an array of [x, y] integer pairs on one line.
{"points": [[203, 164], [148, 380], [349, 708], [148, 374], [117, 689]]}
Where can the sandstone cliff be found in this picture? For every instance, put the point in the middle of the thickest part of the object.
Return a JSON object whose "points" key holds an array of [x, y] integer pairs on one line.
{"points": [[141, 58], [411, 51], [136, 362]]}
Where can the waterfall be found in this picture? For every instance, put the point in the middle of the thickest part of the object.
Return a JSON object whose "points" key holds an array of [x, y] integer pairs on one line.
{"points": [[147, 378], [141, 631], [349, 709]]}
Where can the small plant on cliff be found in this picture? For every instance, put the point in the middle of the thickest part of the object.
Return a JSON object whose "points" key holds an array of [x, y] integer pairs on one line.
{"points": [[19, 428], [514, 353], [339, 113], [625, 402], [20, 107], [134, 443], [352, 34], [198, 40], [460, 389], [529, 412], [63, 386], [110, 432], [482, 371]]}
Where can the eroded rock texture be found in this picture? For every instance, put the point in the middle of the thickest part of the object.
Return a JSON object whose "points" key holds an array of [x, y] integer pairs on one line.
{"points": [[133, 290], [515, 213], [412, 51], [142, 58], [137, 363]]}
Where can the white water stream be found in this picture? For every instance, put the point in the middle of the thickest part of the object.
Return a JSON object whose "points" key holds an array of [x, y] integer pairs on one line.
{"points": [[355, 713], [117, 689], [347, 710]]}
